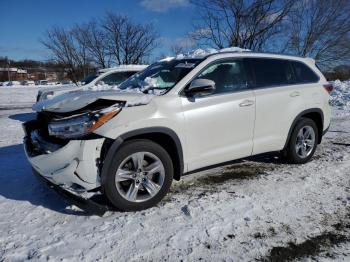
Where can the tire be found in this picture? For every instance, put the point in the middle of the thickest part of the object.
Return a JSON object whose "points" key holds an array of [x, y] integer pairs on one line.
{"points": [[300, 149], [150, 179]]}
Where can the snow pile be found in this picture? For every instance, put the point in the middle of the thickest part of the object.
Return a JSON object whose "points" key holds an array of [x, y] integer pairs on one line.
{"points": [[341, 95], [146, 87], [150, 82], [203, 52], [234, 49], [98, 87], [143, 100], [17, 97]]}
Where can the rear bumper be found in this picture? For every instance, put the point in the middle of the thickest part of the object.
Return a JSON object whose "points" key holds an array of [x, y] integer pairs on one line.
{"points": [[73, 165], [326, 130]]}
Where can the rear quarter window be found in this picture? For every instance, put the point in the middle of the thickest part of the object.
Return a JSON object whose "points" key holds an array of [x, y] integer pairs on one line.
{"points": [[271, 72], [303, 73]]}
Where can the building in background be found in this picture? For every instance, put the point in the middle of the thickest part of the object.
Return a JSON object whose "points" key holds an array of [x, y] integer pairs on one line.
{"points": [[50, 75], [13, 74]]}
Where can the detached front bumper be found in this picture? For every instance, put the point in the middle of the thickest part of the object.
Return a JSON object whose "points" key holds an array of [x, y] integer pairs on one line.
{"points": [[73, 165], [95, 206]]}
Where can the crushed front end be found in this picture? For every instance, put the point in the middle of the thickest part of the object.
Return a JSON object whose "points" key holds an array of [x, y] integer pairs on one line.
{"points": [[64, 151], [73, 164]]}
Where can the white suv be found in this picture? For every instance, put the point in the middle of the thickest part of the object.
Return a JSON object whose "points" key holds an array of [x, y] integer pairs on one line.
{"points": [[104, 77], [175, 117]]}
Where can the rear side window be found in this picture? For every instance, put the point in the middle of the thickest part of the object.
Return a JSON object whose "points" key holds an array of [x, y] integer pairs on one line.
{"points": [[271, 72], [303, 73]]}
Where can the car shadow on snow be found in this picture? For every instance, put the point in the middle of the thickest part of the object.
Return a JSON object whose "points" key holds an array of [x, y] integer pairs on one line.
{"points": [[23, 117], [18, 183]]}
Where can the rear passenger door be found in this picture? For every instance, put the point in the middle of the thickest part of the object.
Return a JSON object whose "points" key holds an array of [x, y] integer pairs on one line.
{"points": [[278, 101], [313, 91]]}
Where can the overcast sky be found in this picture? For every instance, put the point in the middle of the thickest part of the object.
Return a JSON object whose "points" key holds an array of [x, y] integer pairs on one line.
{"points": [[23, 22]]}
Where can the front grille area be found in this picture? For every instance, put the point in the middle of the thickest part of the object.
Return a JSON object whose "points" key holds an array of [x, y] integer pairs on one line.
{"points": [[36, 143], [43, 119]]}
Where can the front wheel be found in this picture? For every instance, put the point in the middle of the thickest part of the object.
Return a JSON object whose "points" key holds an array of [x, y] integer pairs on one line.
{"points": [[140, 175], [303, 142]]}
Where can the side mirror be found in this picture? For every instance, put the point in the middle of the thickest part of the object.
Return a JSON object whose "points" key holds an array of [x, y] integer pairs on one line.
{"points": [[201, 86]]}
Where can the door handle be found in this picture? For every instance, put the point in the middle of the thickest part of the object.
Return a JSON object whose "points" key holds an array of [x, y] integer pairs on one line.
{"points": [[294, 94], [246, 103]]}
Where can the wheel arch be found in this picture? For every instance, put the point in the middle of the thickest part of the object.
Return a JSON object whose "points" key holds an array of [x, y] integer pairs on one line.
{"points": [[316, 115], [165, 137]]}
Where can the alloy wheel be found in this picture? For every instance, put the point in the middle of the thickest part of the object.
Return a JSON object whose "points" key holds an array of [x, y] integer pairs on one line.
{"points": [[305, 141], [140, 176]]}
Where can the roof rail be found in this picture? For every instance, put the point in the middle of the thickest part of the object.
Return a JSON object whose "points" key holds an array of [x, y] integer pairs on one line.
{"points": [[252, 52]]}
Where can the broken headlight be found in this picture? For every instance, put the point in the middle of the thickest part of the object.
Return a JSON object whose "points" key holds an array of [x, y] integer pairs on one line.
{"points": [[82, 124]]}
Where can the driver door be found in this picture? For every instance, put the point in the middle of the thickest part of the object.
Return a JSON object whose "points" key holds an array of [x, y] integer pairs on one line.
{"points": [[219, 127]]}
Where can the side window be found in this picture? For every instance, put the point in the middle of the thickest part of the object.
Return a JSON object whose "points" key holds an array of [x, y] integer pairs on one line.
{"points": [[271, 72], [303, 73], [229, 76], [116, 78]]}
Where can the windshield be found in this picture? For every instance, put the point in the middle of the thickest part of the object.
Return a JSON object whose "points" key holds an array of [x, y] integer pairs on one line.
{"points": [[86, 80], [162, 75]]}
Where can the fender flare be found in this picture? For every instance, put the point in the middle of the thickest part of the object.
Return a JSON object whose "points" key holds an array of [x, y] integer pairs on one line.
{"points": [[143, 131], [300, 115]]}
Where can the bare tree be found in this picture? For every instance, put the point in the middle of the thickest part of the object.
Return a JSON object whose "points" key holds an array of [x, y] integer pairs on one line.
{"points": [[113, 40], [67, 51], [247, 24], [94, 38], [128, 43], [320, 29]]}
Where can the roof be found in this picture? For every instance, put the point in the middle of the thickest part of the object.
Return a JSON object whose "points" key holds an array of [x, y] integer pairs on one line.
{"points": [[262, 54], [210, 52], [124, 68]]}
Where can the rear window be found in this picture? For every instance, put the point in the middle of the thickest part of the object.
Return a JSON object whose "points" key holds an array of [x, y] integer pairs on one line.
{"points": [[271, 72], [303, 73]]}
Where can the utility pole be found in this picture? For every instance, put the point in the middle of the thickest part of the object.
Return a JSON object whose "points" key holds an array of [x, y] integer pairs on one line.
{"points": [[8, 70]]}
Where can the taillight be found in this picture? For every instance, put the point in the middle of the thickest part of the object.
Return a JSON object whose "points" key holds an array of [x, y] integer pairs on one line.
{"points": [[329, 87]]}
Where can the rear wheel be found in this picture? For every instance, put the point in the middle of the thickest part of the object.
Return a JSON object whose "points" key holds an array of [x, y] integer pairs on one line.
{"points": [[303, 142], [139, 177]]}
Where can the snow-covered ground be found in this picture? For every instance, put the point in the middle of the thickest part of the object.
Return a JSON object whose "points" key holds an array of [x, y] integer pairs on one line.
{"points": [[341, 97], [256, 209]]}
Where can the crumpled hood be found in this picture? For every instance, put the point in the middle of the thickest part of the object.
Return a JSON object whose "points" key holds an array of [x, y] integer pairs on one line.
{"points": [[57, 88], [76, 100]]}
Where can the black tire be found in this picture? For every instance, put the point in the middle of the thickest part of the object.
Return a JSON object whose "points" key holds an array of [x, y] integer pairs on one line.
{"points": [[109, 187], [291, 152]]}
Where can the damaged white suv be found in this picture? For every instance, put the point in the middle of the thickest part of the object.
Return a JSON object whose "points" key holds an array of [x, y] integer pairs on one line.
{"points": [[177, 116]]}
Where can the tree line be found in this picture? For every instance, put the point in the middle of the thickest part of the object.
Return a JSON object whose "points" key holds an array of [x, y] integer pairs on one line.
{"points": [[316, 28]]}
